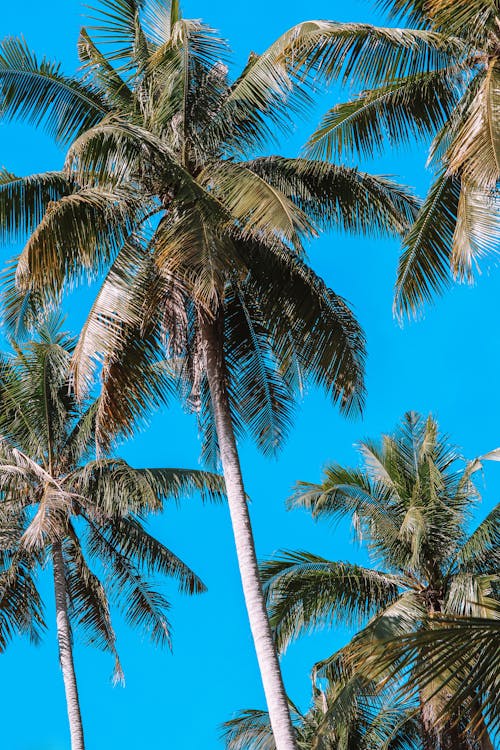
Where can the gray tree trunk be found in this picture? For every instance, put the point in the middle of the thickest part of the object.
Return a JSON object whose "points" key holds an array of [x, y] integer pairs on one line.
{"points": [[267, 657], [66, 651]]}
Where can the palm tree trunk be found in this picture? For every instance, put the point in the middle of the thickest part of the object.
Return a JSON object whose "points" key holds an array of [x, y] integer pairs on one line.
{"points": [[66, 651], [211, 332]]}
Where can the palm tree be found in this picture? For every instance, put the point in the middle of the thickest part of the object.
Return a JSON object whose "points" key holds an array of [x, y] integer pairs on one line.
{"points": [[437, 78], [339, 719], [461, 651], [411, 505], [203, 240], [61, 506]]}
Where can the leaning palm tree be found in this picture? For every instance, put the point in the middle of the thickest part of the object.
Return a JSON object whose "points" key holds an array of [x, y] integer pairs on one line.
{"points": [[202, 241], [411, 505], [439, 78], [60, 506]]}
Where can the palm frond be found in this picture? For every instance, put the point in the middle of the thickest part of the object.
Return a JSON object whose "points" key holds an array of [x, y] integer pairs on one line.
{"points": [[372, 55], [78, 234], [475, 150], [424, 265], [260, 394], [20, 603], [150, 556], [113, 89], [305, 591], [311, 327], [116, 24], [340, 197], [249, 730], [481, 551], [142, 606], [24, 200], [37, 91], [409, 108], [477, 231], [89, 607]]}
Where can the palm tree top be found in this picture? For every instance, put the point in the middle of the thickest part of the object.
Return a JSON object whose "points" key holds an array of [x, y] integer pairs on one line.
{"points": [[411, 504], [55, 492]]}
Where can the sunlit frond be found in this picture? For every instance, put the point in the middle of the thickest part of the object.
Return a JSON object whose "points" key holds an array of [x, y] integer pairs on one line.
{"points": [[338, 197]]}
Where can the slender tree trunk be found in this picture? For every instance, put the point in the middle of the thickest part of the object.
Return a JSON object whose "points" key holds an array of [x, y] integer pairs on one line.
{"points": [[284, 736], [65, 651]]}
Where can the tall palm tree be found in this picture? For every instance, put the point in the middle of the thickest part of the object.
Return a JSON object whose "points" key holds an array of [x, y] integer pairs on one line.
{"points": [[439, 78], [59, 505], [411, 505], [203, 240]]}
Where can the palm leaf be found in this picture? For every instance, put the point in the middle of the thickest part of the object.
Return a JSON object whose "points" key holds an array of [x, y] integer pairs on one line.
{"points": [[40, 93], [410, 108], [424, 266], [305, 591]]}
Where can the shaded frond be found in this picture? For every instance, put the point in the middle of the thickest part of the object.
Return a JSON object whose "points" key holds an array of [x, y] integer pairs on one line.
{"points": [[424, 265]]}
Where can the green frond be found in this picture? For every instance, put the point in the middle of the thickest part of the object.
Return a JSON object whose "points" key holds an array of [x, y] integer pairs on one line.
{"points": [[113, 89], [177, 483], [21, 608], [260, 394], [37, 91], [134, 384], [409, 108], [266, 96], [142, 606], [117, 26], [195, 250], [305, 591], [89, 607], [473, 20], [24, 200], [249, 730], [424, 265], [115, 310], [462, 659], [259, 208], [411, 11], [150, 556], [311, 327], [481, 551], [80, 442]]}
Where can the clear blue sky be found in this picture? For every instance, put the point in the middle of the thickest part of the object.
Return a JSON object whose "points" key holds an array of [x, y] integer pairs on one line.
{"points": [[448, 363]]}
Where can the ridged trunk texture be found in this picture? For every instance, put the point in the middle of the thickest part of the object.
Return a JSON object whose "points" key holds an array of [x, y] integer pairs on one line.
{"points": [[66, 651], [284, 736]]}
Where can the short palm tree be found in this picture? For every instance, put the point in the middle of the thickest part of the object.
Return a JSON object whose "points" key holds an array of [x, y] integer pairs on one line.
{"points": [[339, 719], [462, 651], [203, 242], [439, 78], [59, 505], [411, 505]]}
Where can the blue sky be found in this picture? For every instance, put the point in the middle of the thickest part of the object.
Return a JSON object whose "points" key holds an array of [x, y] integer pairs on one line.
{"points": [[447, 364]]}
